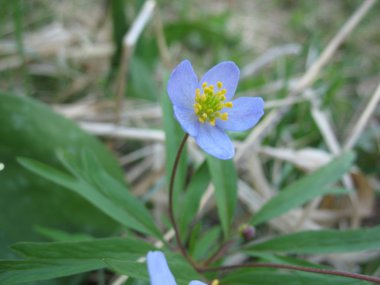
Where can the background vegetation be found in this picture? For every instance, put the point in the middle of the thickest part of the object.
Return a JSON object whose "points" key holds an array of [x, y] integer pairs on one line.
{"points": [[71, 71]]}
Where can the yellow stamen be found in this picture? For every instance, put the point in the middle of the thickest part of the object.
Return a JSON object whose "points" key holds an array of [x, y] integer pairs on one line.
{"points": [[209, 102], [224, 116], [215, 282]]}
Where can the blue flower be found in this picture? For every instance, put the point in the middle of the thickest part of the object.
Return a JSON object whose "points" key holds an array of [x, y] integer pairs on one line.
{"points": [[159, 271], [204, 108]]}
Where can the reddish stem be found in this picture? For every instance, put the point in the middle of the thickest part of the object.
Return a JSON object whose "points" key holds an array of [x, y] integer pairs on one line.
{"points": [[293, 267], [171, 206]]}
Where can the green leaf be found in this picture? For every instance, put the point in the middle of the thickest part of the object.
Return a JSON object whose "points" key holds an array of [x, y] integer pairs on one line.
{"points": [[51, 260], [174, 135], [324, 241], [336, 191], [58, 235], [130, 268], [108, 195], [207, 244], [57, 259], [20, 271], [281, 259], [128, 248], [31, 129], [224, 178], [191, 200], [256, 276], [135, 281], [305, 189]]}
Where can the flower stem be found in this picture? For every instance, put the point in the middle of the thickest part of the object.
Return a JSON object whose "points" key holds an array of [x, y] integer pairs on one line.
{"points": [[247, 265], [171, 206], [293, 267]]}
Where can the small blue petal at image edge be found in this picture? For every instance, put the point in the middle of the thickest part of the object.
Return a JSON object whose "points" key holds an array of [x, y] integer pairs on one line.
{"points": [[159, 271]]}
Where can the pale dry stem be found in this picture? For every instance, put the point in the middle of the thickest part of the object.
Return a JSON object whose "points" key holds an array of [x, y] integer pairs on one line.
{"points": [[270, 121], [129, 41], [363, 120]]}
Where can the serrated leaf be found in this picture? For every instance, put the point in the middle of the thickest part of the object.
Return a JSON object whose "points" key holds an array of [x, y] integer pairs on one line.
{"points": [[323, 241], [224, 178], [305, 189], [31, 129], [57, 259], [110, 197], [89, 249], [21, 271]]}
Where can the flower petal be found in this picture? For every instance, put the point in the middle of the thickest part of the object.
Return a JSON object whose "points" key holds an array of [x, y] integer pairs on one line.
{"points": [[182, 84], [187, 119], [158, 269], [215, 141], [196, 282], [245, 113], [226, 72]]}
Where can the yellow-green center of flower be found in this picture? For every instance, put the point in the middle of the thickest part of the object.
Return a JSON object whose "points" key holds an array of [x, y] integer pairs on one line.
{"points": [[209, 103]]}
